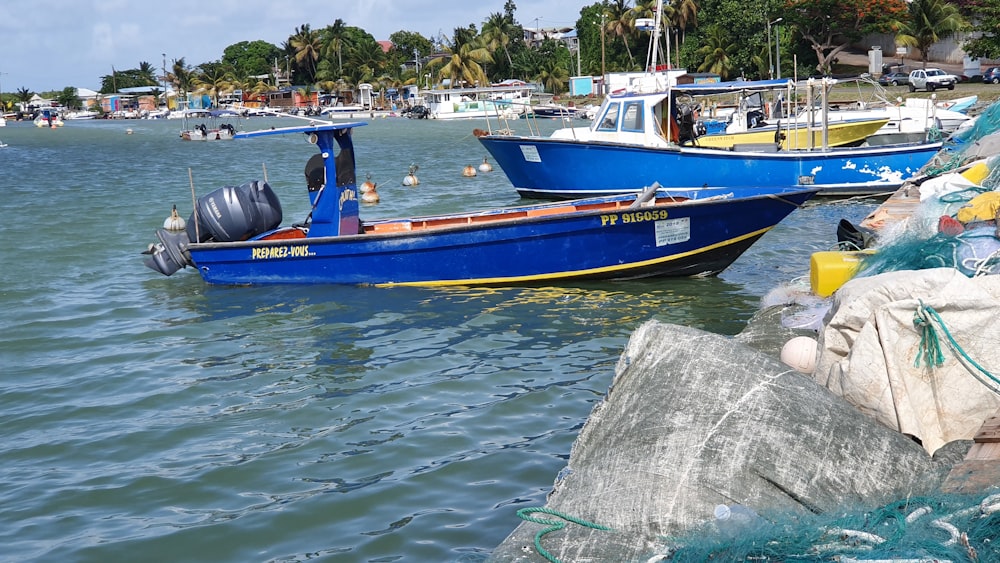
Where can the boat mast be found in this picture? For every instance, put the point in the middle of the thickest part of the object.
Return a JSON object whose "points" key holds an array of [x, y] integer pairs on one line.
{"points": [[654, 39]]}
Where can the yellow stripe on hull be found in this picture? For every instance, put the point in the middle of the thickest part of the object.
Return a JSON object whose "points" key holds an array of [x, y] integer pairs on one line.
{"points": [[581, 273], [840, 134]]}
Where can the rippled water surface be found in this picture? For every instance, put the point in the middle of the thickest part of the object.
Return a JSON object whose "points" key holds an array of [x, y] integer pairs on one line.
{"points": [[163, 419]]}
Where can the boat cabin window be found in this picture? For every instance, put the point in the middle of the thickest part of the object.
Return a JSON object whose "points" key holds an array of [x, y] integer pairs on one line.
{"points": [[632, 116], [610, 120]]}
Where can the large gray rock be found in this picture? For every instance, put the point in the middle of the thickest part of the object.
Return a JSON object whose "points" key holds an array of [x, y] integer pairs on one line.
{"points": [[694, 420]]}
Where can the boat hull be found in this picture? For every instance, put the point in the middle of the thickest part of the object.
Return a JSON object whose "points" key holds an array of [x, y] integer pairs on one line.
{"points": [[582, 240], [543, 167]]}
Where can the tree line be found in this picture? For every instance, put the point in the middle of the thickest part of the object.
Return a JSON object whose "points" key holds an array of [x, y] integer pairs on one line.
{"points": [[730, 38]]}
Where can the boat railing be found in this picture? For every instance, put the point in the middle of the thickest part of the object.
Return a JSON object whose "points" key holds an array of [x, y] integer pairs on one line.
{"points": [[504, 125]]}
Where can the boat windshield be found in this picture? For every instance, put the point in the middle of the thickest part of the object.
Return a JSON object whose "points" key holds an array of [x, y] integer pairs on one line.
{"points": [[609, 118]]}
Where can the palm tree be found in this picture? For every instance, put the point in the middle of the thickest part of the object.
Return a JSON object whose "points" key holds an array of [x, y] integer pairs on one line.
{"points": [[147, 73], [684, 13], [463, 63], [621, 23], [181, 76], [335, 38], [216, 79], [715, 52], [307, 47], [929, 21], [367, 54], [497, 31], [24, 96], [553, 76]]}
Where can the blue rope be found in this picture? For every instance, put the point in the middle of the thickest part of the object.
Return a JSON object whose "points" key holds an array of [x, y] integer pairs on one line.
{"points": [[930, 349], [553, 525]]}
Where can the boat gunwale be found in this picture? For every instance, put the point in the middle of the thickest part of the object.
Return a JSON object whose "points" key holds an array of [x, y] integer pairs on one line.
{"points": [[459, 222]]}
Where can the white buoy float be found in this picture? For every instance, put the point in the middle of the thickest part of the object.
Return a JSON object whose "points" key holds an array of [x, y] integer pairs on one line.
{"points": [[411, 178], [128, 131], [485, 166], [175, 222], [799, 354], [469, 171], [367, 185]]}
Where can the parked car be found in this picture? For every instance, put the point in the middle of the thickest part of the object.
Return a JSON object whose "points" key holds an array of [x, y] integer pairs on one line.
{"points": [[894, 79], [931, 79], [992, 75]]}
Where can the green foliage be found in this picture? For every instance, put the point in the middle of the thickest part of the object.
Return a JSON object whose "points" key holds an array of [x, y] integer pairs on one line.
{"points": [[131, 78], [830, 26], [67, 98], [927, 22], [251, 58], [987, 23]]}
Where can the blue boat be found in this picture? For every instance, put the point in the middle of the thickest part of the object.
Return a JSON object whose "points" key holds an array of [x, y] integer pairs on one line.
{"points": [[234, 234], [649, 133]]}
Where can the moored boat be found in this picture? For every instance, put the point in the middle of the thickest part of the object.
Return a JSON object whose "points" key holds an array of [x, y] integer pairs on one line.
{"points": [[642, 135], [234, 235], [214, 132], [48, 117], [505, 101]]}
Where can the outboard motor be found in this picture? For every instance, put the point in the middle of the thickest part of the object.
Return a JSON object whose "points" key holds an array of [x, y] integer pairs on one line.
{"points": [[231, 213], [170, 254], [755, 118], [234, 213], [689, 126]]}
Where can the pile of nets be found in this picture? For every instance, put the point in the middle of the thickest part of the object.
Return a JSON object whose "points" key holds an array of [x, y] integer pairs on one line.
{"points": [[940, 528], [967, 144]]}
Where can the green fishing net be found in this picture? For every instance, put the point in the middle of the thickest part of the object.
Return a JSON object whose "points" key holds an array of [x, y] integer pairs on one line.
{"points": [[940, 528]]}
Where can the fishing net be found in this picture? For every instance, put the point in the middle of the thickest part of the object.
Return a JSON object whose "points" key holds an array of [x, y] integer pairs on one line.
{"points": [[931, 528], [967, 144]]}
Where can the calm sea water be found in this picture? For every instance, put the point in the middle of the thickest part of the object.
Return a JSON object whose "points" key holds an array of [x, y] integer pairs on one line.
{"points": [[162, 419]]}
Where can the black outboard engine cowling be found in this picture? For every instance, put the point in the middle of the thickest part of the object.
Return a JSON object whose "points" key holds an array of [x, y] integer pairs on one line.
{"points": [[235, 213]]}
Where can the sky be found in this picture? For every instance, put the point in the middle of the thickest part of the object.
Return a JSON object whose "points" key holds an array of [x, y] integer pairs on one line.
{"points": [[58, 43]]}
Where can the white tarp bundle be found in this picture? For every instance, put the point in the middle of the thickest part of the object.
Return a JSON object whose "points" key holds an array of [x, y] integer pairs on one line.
{"points": [[870, 346]]}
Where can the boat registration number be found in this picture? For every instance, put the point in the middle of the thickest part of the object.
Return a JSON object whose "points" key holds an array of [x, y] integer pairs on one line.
{"points": [[268, 252], [666, 231]]}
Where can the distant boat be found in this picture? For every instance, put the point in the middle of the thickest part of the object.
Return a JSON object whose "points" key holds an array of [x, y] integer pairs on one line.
{"points": [[488, 102], [553, 111], [48, 118], [214, 132], [235, 237], [81, 114], [960, 105]]}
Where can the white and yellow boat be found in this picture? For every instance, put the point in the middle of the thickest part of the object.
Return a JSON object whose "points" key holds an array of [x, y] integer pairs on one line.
{"points": [[798, 135]]}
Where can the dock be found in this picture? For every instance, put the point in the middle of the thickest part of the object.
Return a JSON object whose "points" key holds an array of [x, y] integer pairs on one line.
{"points": [[980, 470]]}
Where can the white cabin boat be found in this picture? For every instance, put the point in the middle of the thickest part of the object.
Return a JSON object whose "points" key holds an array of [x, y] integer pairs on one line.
{"points": [[479, 103]]}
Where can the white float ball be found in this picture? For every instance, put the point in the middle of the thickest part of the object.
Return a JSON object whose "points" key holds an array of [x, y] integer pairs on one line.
{"points": [[799, 354]]}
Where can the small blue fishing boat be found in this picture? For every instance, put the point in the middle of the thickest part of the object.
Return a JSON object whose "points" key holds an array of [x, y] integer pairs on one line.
{"points": [[234, 235], [650, 133]]}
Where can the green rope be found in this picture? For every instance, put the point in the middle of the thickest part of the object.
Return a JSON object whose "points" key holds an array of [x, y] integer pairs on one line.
{"points": [[553, 525], [930, 343], [962, 196]]}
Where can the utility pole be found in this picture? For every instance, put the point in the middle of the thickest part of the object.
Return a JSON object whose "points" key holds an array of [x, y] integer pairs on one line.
{"points": [[770, 68], [604, 86], [165, 81]]}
